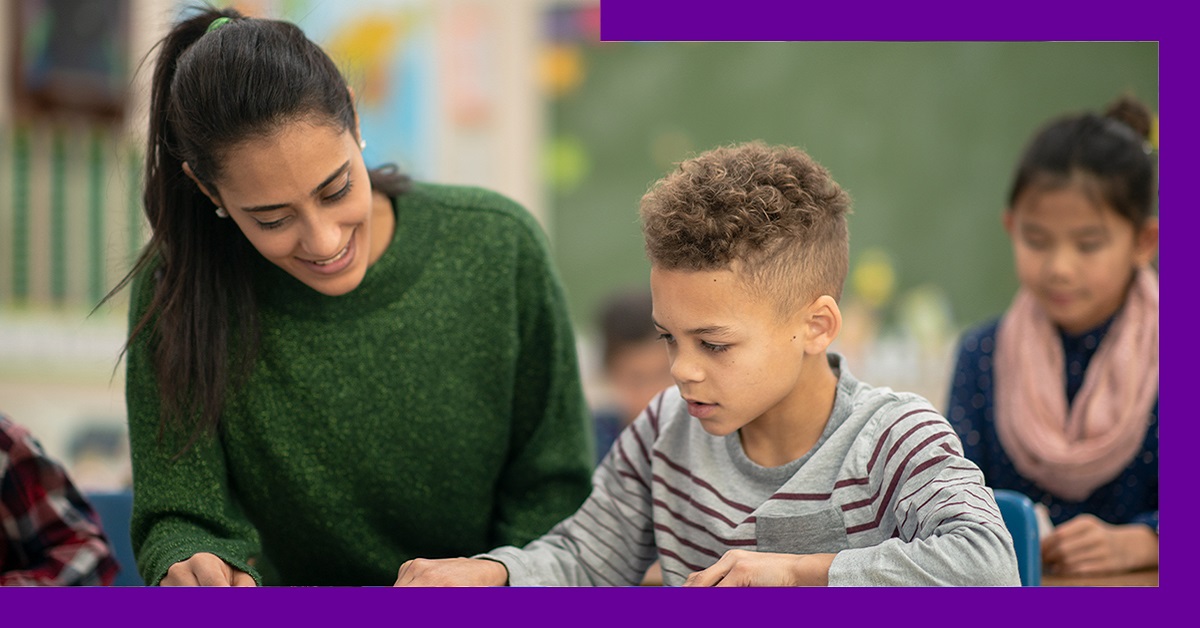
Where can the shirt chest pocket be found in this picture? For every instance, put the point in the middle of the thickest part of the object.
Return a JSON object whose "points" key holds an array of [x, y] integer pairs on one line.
{"points": [[812, 533]]}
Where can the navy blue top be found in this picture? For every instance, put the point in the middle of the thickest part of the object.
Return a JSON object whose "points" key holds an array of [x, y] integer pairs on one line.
{"points": [[1132, 497], [608, 426]]}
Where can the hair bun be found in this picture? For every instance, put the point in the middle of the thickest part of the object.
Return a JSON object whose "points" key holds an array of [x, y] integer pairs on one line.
{"points": [[1131, 112]]}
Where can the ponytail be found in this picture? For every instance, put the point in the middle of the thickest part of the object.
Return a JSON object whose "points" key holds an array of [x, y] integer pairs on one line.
{"points": [[1132, 113]]}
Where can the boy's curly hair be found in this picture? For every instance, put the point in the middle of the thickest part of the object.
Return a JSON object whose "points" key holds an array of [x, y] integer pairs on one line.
{"points": [[769, 213]]}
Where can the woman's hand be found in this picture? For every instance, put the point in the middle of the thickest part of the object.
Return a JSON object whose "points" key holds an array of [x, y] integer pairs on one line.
{"points": [[205, 570], [742, 568], [1086, 545], [452, 572]]}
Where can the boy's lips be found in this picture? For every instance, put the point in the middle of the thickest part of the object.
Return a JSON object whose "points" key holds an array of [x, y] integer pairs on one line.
{"points": [[700, 409]]}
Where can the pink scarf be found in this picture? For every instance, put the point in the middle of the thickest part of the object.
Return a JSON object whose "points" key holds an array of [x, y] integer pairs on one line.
{"points": [[1071, 455]]}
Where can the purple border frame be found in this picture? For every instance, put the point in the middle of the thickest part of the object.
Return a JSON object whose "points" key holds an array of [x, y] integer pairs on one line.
{"points": [[759, 20]]}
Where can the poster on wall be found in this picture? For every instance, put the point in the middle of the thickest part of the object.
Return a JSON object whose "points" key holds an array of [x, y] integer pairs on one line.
{"points": [[385, 49], [71, 57]]}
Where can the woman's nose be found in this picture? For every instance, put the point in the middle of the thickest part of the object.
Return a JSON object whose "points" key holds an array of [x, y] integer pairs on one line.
{"points": [[322, 239]]}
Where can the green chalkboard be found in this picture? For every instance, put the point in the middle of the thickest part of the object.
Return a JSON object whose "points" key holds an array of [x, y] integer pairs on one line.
{"points": [[923, 135]]}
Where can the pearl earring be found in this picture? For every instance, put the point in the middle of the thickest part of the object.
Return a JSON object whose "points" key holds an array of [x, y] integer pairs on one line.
{"points": [[362, 144], [221, 213]]}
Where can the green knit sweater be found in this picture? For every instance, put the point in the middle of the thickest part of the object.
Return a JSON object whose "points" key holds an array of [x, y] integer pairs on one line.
{"points": [[434, 411]]}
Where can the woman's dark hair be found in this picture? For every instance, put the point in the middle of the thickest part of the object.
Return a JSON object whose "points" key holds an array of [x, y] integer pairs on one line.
{"points": [[1112, 150], [212, 90]]}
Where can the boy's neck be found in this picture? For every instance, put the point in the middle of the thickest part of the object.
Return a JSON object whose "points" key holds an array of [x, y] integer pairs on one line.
{"points": [[776, 439]]}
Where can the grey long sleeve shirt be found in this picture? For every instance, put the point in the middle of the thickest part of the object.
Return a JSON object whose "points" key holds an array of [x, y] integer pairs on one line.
{"points": [[886, 488]]}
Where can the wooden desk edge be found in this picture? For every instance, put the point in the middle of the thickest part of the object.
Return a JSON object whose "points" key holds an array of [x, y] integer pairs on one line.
{"points": [[1144, 578]]}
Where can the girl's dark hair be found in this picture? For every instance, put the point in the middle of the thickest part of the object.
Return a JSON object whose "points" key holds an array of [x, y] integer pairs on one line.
{"points": [[211, 91], [1113, 150]]}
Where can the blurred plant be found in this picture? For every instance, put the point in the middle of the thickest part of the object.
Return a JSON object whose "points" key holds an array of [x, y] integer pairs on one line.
{"points": [[874, 278], [565, 162]]}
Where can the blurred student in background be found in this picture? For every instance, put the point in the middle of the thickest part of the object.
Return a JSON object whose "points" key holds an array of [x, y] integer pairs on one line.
{"points": [[1058, 399], [51, 535], [636, 366], [330, 369]]}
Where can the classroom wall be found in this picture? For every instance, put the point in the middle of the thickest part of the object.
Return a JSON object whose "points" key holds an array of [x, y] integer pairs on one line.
{"points": [[70, 224]]}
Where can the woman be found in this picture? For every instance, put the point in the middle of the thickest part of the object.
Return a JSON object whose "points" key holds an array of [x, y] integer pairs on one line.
{"points": [[330, 370]]}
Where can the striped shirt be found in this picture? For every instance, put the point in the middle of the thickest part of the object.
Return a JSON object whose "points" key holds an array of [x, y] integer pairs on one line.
{"points": [[886, 488]]}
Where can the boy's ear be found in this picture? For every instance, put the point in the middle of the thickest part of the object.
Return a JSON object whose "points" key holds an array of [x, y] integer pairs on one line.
{"points": [[1007, 219], [1146, 246], [216, 200], [822, 324]]}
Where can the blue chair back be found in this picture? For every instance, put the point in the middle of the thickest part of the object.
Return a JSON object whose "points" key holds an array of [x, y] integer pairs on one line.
{"points": [[116, 513], [1021, 521]]}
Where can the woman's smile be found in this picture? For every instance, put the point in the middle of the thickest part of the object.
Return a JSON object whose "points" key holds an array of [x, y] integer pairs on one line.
{"points": [[336, 264]]}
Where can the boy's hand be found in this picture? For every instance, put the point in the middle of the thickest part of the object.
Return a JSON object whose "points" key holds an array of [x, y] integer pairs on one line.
{"points": [[1087, 545], [452, 572], [205, 570], [742, 568]]}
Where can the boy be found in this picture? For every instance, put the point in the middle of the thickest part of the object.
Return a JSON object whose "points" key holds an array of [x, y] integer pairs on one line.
{"points": [[50, 533], [768, 464]]}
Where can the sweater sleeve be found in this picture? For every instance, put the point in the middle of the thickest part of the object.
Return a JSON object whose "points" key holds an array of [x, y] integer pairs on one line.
{"points": [[182, 506], [949, 530], [610, 540], [547, 473]]}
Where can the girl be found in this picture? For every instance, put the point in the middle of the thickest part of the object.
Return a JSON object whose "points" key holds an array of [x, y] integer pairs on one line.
{"points": [[330, 370], [1058, 399]]}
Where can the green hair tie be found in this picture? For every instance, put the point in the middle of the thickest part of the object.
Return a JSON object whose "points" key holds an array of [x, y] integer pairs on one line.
{"points": [[217, 23]]}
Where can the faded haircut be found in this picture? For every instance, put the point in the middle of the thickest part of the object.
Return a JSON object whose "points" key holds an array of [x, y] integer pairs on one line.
{"points": [[771, 214]]}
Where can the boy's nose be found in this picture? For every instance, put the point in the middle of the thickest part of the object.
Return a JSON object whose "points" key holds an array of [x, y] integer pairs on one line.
{"points": [[684, 370]]}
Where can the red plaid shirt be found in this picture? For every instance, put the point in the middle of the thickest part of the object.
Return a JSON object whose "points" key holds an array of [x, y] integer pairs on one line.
{"points": [[50, 535]]}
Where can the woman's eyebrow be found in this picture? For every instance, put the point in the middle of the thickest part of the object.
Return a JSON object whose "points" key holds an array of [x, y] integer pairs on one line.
{"points": [[317, 190], [336, 173]]}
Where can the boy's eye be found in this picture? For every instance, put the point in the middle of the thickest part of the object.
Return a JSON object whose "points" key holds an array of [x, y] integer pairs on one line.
{"points": [[668, 338], [1091, 246], [712, 347]]}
